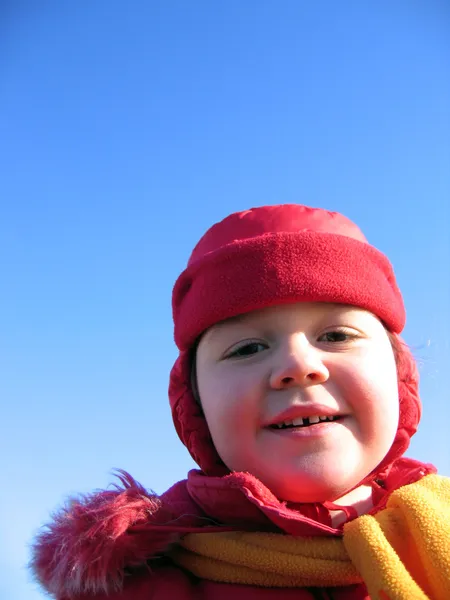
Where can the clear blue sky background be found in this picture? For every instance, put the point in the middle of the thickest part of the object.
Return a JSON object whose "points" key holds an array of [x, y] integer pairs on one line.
{"points": [[126, 130]]}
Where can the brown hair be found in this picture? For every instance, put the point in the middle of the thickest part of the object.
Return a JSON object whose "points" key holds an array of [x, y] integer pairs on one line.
{"points": [[398, 347]]}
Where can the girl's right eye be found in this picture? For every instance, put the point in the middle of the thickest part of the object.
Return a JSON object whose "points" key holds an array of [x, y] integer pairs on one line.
{"points": [[247, 350]]}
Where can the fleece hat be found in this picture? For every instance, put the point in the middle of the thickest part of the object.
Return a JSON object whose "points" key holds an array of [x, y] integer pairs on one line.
{"points": [[278, 255]]}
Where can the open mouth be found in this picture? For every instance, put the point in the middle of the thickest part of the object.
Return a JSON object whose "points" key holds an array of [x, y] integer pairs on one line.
{"points": [[305, 422]]}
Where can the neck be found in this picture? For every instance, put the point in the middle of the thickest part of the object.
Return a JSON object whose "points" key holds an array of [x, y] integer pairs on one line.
{"points": [[360, 499]]}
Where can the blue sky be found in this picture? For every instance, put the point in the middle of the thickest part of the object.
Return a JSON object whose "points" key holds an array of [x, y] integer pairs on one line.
{"points": [[128, 129]]}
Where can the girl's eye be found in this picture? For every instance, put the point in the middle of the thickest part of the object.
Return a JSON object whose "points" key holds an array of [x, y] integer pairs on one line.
{"points": [[247, 350], [337, 337]]}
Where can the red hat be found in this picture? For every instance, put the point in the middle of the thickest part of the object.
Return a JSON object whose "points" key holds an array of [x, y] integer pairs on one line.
{"points": [[277, 255]]}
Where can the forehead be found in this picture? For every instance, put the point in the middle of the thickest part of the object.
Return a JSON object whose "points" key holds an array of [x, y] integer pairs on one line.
{"points": [[306, 312]]}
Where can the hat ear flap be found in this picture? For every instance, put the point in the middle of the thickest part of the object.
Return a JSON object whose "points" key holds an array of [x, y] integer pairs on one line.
{"points": [[189, 420], [408, 383]]}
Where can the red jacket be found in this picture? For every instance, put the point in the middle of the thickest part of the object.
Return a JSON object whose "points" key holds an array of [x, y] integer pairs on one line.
{"points": [[110, 545], [168, 582]]}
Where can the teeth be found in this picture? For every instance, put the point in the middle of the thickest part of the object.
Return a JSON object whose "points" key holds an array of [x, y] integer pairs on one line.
{"points": [[305, 421]]}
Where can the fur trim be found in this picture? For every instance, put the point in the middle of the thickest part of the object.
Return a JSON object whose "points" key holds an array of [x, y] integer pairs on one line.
{"points": [[94, 538]]}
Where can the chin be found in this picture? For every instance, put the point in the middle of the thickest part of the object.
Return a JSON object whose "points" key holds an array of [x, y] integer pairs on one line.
{"points": [[310, 489], [312, 496]]}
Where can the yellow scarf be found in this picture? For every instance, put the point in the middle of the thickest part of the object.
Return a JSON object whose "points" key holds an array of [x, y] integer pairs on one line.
{"points": [[401, 553]]}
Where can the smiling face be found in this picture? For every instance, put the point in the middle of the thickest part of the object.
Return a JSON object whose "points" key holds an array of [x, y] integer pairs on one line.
{"points": [[303, 396]]}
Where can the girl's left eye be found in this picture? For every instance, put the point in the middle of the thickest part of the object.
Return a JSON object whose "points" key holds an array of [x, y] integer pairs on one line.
{"points": [[337, 336], [247, 350]]}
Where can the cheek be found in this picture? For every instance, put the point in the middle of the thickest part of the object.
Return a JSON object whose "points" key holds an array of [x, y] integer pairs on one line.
{"points": [[225, 401], [379, 407], [226, 417], [231, 404]]}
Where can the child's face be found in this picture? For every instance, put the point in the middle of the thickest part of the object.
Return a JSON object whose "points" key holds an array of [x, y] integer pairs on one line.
{"points": [[295, 361]]}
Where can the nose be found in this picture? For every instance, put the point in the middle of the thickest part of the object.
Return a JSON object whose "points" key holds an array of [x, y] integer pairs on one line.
{"points": [[298, 363]]}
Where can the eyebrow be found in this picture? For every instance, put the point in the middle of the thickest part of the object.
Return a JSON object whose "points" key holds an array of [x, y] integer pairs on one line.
{"points": [[218, 326]]}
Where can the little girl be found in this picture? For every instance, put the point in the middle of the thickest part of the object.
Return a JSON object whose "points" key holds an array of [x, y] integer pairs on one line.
{"points": [[296, 397]]}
